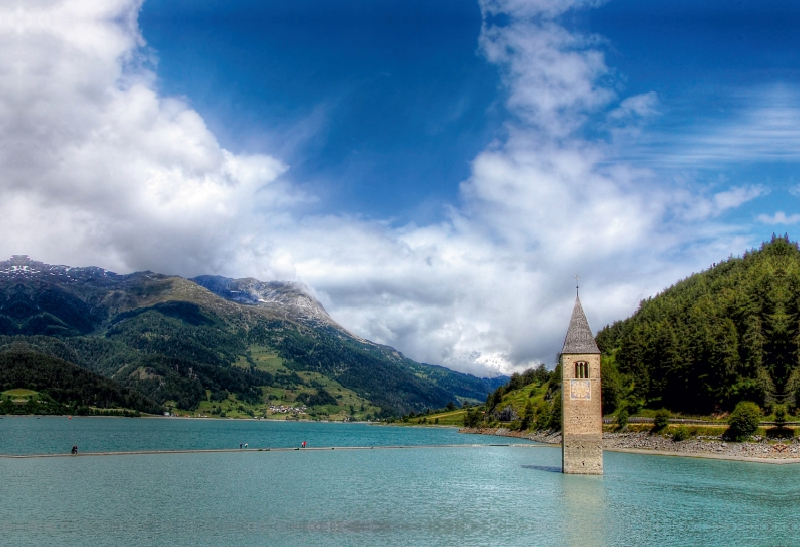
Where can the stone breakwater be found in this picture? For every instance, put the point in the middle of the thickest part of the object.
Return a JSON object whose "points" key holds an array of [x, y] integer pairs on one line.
{"points": [[640, 442]]}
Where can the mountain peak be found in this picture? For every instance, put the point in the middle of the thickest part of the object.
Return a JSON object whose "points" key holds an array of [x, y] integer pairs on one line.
{"points": [[24, 266], [270, 294]]}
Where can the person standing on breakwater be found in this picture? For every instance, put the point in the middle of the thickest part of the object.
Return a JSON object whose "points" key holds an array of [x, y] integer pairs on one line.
{"points": [[74, 448], [303, 445]]}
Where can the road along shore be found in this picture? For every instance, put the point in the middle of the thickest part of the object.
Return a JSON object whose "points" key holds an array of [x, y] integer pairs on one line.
{"points": [[645, 443]]}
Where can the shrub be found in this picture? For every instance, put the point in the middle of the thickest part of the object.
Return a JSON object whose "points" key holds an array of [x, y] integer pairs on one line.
{"points": [[780, 416], [661, 420], [622, 419], [681, 434], [473, 417], [743, 421], [633, 407], [780, 430], [528, 416], [542, 419], [555, 413]]}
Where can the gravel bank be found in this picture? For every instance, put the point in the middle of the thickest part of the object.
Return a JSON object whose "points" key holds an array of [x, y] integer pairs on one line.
{"points": [[787, 451]]}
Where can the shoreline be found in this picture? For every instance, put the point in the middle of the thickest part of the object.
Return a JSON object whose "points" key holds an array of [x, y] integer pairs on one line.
{"points": [[645, 443]]}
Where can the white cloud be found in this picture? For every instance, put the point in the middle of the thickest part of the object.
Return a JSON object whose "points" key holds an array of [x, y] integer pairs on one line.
{"points": [[761, 125], [779, 218], [700, 206], [112, 172], [97, 169], [551, 74], [638, 106]]}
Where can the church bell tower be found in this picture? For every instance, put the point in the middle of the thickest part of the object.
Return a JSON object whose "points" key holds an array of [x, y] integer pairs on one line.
{"points": [[581, 414]]}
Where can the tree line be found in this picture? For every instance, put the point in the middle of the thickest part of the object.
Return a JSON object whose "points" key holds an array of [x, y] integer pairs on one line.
{"points": [[725, 335]]}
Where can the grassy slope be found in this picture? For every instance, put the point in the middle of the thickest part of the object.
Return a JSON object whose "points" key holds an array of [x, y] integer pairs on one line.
{"points": [[140, 330], [349, 404]]}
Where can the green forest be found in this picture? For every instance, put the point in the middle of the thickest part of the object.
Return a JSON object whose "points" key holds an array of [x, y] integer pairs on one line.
{"points": [[721, 336], [62, 388]]}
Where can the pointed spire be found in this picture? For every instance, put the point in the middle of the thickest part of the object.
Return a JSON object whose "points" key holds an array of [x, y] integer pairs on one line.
{"points": [[579, 336]]}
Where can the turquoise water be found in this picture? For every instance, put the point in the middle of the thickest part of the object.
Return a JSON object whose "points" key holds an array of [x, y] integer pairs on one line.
{"points": [[464, 496], [53, 435]]}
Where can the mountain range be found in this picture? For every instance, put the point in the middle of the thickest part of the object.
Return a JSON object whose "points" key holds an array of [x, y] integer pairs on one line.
{"points": [[207, 343]]}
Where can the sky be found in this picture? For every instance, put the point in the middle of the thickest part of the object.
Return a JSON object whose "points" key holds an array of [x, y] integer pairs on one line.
{"points": [[436, 173]]}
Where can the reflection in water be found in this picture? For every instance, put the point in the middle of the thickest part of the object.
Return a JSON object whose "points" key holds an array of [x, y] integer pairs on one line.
{"points": [[549, 468], [581, 504], [584, 513]]}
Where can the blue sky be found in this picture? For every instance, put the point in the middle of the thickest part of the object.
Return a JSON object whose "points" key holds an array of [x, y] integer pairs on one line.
{"points": [[434, 172], [387, 103]]}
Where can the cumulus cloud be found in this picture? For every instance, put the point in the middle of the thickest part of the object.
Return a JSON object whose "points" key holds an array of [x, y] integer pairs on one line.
{"points": [[96, 168], [779, 218], [96, 165], [551, 74]]}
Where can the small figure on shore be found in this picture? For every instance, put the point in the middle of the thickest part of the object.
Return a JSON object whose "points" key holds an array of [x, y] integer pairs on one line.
{"points": [[245, 445], [303, 445], [240, 445], [74, 448]]}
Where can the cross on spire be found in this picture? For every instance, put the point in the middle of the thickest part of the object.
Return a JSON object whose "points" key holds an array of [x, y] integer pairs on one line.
{"points": [[577, 283]]}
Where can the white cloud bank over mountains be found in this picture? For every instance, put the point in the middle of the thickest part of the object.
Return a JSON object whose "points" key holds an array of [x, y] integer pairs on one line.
{"points": [[97, 169]]}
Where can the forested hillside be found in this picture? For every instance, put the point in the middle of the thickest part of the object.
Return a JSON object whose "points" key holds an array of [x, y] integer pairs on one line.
{"points": [[727, 334], [61, 387], [239, 344]]}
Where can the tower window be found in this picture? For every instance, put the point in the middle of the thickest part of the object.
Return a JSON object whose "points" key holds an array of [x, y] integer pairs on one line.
{"points": [[581, 369]]}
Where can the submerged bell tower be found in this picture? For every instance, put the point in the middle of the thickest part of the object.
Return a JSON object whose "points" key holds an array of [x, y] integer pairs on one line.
{"points": [[581, 414]]}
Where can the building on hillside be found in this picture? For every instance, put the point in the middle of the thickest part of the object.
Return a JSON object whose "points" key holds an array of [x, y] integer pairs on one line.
{"points": [[581, 409]]}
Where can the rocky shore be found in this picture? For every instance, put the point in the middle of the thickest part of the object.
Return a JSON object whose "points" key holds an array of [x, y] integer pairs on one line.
{"points": [[785, 451]]}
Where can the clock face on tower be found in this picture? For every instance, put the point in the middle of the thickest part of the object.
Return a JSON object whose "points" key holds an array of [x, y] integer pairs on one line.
{"points": [[580, 389]]}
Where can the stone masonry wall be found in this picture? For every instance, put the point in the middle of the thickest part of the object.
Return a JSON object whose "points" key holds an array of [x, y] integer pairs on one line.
{"points": [[582, 416]]}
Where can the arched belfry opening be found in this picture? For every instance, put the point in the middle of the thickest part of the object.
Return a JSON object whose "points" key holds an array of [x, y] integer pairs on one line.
{"points": [[582, 415]]}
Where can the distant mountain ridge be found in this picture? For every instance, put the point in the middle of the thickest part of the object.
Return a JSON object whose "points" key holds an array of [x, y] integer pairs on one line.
{"points": [[278, 296], [211, 340]]}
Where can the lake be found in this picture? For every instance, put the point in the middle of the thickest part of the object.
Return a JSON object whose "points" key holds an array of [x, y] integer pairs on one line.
{"points": [[466, 495]]}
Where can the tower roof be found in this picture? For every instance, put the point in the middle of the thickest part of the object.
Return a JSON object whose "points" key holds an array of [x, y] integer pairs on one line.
{"points": [[579, 336]]}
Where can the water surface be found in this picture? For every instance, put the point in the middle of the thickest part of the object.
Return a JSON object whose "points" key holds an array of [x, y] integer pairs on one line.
{"points": [[463, 496], [53, 435]]}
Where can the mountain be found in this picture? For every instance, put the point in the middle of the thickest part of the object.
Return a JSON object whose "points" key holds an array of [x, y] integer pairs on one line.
{"points": [[61, 386], [289, 300], [727, 334], [213, 342]]}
